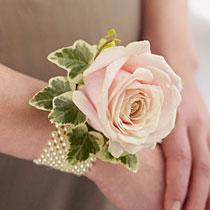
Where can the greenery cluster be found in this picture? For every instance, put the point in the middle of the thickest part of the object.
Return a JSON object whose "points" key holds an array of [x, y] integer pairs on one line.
{"points": [[57, 99]]}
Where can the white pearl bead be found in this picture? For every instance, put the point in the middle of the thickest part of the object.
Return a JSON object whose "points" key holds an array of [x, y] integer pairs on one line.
{"points": [[53, 134], [84, 170], [35, 161], [89, 165], [59, 150], [93, 159]]}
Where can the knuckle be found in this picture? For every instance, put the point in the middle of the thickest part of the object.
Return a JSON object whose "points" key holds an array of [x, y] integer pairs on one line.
{"points": [[203, 167], [182, 157], [202, 121]]}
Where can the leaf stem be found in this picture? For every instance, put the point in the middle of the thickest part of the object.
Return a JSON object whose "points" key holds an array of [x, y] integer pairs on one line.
{"points": [[101, 48]]}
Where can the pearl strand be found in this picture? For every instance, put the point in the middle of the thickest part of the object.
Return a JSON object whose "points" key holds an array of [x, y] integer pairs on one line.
{"points": [[55, 154]]}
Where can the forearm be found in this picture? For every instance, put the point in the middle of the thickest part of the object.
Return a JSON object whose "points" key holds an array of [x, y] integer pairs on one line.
{"points": [[167, 26], [24, 130]]}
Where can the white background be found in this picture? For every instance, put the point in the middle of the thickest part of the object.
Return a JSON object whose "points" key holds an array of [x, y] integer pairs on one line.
{"points": [[200, 16]]}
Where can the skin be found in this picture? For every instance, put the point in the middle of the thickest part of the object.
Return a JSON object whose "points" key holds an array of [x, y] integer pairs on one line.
{"points": [[31, 130], [187, 148]]}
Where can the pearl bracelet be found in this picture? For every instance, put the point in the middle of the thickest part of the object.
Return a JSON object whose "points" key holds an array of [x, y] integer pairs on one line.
{"points": [[55, 154]]}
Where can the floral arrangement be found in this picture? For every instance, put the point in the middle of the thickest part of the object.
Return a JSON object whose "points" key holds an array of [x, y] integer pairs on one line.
{"points": [[117, 100]]}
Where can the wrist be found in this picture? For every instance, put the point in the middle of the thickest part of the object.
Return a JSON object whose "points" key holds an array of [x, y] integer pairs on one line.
{"points": [[182, 57]]}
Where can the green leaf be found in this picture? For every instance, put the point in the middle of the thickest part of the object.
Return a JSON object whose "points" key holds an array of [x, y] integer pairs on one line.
{"points": [[111, 32], [57, 86], [82, 144], [75, 59], [65, 111], [128, 160]]}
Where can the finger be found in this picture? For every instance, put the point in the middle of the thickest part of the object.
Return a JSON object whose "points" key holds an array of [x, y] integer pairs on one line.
{"points": [[200, 180], [178, 166], [208, 202]]}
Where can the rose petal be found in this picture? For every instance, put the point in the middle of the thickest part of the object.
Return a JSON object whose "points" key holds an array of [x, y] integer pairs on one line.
{"points": [[115, 149], [93, 85], [82, 102], [156, 61], [111, 72], [124, 79], [167, 118], [105, 58], [137, 48], [172, 99], [131, 148]]}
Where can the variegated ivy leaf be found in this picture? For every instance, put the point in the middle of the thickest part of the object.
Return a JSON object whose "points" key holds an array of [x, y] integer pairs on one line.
{"points": [[57, 86], [75, 59], [83, 143], [128, 160], [65, 111]]}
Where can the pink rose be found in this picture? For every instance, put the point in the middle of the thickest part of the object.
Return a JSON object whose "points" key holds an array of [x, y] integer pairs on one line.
{"points": [[131, 96]]}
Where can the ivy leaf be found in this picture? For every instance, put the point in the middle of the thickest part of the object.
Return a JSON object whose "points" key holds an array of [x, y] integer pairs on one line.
{"points": [[82, 144], [130, 161], [75, 59], [65, 111], [57, 86]]}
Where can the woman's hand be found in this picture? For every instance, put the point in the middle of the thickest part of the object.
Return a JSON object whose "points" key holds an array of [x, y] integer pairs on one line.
{"points": [[133, 191], [186, 149], [187, 153]]}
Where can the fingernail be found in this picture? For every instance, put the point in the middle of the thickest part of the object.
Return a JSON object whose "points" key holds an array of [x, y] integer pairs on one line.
{"points": [[177, 206]]}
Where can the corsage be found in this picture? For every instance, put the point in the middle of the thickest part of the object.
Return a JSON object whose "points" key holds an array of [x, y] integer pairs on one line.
{"points": [[114, 102]]}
